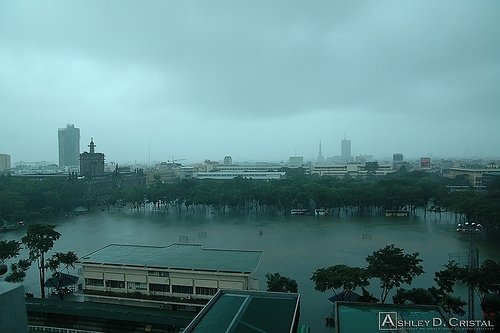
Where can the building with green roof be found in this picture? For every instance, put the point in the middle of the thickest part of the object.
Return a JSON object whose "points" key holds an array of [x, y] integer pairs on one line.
{"points": [[176, 273]]}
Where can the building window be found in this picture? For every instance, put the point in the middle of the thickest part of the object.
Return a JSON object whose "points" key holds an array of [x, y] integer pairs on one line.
{"points": [[158, 287], [94, 282], [115, 284], [137, 286], [158, 273], [182, 289], [206, 291]]}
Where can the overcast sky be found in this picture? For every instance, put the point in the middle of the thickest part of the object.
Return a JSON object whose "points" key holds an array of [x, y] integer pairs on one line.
{"points": [[257, 80]]}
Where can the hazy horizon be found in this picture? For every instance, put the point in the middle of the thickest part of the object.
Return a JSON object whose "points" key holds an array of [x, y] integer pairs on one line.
{"points": [[259, 81]]}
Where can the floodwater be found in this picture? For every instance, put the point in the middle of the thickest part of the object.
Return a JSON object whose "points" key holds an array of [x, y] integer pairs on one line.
{"points": [[293, 246]]}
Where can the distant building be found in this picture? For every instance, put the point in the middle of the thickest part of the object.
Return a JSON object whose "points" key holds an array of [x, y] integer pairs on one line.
{"points": [[101, 185], [345, 150], [363, 158], [69, 145], [475, 176], [398, 162], [321, 158], [351, 169], [228, 160], [397, 158], [425, 162], [91, 163], [4, 162], [249, 168], [260, 175], [296, 161], [490, 177]]}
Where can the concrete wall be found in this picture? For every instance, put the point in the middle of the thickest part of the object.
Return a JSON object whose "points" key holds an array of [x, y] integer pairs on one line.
{"points": [[13, 318]]}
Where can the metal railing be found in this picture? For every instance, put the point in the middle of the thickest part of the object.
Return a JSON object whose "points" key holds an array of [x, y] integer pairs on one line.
{"points": [[36, 328]]}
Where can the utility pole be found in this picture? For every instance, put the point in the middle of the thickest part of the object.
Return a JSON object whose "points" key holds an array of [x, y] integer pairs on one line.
{"points": [[471, 229]]}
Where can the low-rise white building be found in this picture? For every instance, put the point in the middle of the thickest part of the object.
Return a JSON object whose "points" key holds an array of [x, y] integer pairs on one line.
{"points": [[261, 175], [352, 169], [474, 175], [178, 271]]}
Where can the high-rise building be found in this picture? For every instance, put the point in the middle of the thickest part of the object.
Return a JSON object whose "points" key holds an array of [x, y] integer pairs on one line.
{"points": [[4, 162], [69, 145], [321, 158], [345, 150], [228, 160]]}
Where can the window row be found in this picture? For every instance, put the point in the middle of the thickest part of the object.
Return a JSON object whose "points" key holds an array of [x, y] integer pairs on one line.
{"points": [[158, 273], [154, 287]]}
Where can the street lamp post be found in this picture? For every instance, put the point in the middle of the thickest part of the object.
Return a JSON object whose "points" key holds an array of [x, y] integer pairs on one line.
{"points": [[471, 229]]}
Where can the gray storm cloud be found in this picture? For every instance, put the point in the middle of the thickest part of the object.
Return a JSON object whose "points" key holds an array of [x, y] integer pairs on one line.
{"points": [[422, 71]]}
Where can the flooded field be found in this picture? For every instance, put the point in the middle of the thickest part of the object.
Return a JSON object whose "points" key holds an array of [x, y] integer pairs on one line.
{"points": [[293, 246]]}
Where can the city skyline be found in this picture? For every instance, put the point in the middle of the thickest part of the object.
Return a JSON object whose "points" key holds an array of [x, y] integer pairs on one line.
{"points": [[260, 82]]}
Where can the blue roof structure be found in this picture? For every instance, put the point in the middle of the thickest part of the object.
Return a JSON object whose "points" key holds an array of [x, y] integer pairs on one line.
{"points": [[176, 256]]}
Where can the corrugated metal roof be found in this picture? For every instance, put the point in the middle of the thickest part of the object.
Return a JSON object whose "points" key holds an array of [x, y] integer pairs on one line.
{"points": [[176, 256]]}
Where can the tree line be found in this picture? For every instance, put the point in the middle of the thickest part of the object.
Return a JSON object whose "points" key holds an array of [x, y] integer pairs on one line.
{"points": [[32, 199]]}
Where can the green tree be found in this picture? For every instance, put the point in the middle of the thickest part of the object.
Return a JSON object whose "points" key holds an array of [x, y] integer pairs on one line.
{"points": [[57, 264], [393, 268], [8, 250], [414, 296], [276, 282], [18, 271], [39, 240], [340, 277], [446, 280], [448, 277], [488, 278]]}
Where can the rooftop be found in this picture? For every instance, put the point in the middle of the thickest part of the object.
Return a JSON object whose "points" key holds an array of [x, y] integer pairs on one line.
{"points": [[366, 317], [69, 311], [247, 311], [176, 256]]}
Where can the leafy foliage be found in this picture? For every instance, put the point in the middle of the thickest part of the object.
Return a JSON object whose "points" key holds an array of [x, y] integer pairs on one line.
{"points": [[393, 268], [414, 296], [276, 282], [57, 264], [448, 277], [23, 198], [340, 277], [18, 271], [39, 240], [8, 250]]}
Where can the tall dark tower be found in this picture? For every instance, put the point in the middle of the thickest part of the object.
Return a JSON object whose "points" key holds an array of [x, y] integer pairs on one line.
{"points": [[345, 150], [91, 163], [69, 145], [321, 159]]}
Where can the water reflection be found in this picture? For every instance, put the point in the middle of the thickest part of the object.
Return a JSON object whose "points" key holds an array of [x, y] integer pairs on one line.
{"points": [[293, 246]]}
